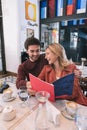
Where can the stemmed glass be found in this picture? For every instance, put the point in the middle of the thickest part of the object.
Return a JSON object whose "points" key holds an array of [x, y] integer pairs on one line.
{"points": [[23, 95]]}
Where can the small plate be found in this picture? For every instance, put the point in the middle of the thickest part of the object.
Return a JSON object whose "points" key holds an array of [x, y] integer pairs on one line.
{"points": [[1, 108], [66, 115], [8, 99]]}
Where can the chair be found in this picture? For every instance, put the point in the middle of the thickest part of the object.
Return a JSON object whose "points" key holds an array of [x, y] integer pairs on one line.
{"points": [[83, 85], [24, 56]]}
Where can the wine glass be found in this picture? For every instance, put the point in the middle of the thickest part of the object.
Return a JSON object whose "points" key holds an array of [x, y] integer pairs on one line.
{"points": [[23, 95]]}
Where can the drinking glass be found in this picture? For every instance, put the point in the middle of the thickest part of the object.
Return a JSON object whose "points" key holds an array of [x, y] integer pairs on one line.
{"points": [[23, 95], [81, 118], [42, 96]]}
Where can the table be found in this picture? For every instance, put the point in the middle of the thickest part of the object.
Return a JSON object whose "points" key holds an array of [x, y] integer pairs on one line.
{"points": [[20, 112], [25, 118]]}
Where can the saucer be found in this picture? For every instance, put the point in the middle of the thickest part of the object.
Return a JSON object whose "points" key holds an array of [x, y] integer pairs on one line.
{"points": [[9, 99], [66, 115]]}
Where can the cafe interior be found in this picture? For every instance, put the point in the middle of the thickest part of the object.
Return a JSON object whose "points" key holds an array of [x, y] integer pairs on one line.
{"points": [[51, 21]]}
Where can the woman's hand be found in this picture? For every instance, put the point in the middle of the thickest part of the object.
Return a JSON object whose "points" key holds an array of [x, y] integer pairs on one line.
{"points": [[78, 73], [29, 88]]}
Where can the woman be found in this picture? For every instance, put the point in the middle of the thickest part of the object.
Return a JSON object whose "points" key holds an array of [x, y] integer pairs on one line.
{"points": [[59, 67]]}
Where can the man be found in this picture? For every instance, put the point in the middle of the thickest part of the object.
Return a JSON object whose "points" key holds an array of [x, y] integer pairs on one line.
{"points": [[33, 65]]}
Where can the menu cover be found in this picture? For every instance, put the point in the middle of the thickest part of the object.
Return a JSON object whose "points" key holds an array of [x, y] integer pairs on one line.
{"points": [[64, 86], [58, 89]]}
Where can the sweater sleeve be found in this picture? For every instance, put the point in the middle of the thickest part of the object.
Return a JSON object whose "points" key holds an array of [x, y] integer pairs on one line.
{"points": [[20, 77]]}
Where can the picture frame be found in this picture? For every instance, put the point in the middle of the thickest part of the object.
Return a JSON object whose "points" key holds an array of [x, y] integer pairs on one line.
{"points": [[30, 33]]}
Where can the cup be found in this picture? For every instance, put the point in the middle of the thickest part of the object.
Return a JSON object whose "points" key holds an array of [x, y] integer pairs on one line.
{"points": [[7, 94], [81, 118], [71, 108]]}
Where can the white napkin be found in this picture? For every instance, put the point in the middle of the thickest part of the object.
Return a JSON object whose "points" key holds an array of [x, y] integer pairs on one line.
{"points": [[53, 113]]}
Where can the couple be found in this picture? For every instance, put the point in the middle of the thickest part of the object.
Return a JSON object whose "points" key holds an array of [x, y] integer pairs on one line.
{"points": [[58, 66]]}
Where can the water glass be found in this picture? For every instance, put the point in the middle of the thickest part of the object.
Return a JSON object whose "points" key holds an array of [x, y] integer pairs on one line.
{"points": [[81, 118], [23, 95]]}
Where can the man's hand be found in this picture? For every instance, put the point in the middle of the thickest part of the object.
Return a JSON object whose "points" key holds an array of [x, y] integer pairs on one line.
{"points": [[28, 84], [29, 88]]}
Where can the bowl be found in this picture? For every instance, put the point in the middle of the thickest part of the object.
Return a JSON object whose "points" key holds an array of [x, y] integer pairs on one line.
{"points": [[42, 96]]}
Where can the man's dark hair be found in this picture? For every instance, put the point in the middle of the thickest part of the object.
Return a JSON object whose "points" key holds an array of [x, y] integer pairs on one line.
{"points": [[31, 41]]}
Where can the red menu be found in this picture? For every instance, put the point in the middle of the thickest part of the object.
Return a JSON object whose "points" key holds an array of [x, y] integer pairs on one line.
{"points": [[40, 85]]}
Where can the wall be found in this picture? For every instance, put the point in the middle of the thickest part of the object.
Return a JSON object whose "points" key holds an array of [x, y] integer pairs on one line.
{"points": [[14, 26], [28, 24]]}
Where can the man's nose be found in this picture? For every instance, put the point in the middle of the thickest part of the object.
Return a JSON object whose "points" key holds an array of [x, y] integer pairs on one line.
{"points": [[35, 53]]}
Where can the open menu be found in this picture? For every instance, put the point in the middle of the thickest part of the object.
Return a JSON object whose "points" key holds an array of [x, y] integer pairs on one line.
{"points": [[58, 89]]}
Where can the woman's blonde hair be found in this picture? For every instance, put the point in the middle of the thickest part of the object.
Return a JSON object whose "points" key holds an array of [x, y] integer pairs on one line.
{"points": [[59, 51]]}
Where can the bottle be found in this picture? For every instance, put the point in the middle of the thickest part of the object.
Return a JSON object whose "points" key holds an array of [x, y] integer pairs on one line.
{"points": [[41, 120]]}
